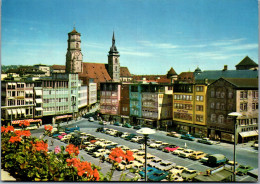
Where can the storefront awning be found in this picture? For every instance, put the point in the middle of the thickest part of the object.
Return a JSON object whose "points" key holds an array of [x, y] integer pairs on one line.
{"points": [[249, 133], [38, 100], [14, 111], [27, 92], [38, 108], [30, 120], [38, 92], [23, 111], [9, 112]]}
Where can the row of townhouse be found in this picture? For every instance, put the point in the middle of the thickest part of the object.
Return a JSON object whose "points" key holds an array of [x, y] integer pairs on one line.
{"points": [[149, 104], [56, 98], [200, 107]]}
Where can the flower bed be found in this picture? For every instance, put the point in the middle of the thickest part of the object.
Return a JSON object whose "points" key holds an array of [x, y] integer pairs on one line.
{"points": [[28, 158]]}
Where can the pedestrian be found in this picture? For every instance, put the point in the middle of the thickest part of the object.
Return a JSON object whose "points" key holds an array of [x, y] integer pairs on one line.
{"points": [[185, 145]]}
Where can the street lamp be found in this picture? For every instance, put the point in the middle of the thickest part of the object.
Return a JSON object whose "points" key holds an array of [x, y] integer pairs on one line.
{"points": [[145, 131], [73, 97], [234, 114]]}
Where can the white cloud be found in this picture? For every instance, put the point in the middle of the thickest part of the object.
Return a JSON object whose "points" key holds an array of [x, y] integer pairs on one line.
{"points": [[227, 42], [242, 47], [158, 45]]}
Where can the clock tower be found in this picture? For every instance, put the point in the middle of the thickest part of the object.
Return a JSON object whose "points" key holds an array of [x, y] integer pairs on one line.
{"points": [[113, 62], [74, 55]]}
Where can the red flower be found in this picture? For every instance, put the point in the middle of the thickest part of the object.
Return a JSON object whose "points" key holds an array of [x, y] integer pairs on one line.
{"points": [[2, 129], [96, 174], [26, 133], [117, 154], [48, 127], [40, 146], [71, 149], [15, 139]]}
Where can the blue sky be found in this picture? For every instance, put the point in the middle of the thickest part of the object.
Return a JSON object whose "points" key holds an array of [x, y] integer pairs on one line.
{"points": [[151, 35]]}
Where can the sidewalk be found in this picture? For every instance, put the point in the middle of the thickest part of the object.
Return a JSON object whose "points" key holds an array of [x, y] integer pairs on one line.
{"points": [[5, 176]]}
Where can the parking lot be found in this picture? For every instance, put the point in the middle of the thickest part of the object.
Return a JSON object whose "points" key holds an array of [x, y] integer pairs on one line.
{"points": [[90, 127]]}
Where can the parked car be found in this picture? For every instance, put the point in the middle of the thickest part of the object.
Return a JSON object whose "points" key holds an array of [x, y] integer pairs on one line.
{"points": [[137, 127], [117, 124], [161, 147], [125, 134], [205, 141], [197, 155], [188, 137], [136, 138], [174, 134], [177, 170], [170, 148], [149, 171], [91, 119], [178, 151], [167, 165], [157, 175], [127, 125], [188, 175], [155, 144], [69, 130], [118, 134], [243, 169], [100, 152], [129, 137], [186, 153]]}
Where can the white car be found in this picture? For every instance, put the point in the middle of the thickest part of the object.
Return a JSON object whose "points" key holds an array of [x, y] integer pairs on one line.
{"points": [[101, 152], [125, 134], [186, 153], [178, 151], [177, 170], [135, 139], [91, 119], [156, 144]]}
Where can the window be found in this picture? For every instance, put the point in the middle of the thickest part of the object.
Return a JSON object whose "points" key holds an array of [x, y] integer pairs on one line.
{"points": [[199, 107], [222, 95], [212, 105], [199, 98], [243, 94], [218, 94], [222, 106], [212, 93], [217, 105], [230, 94], [243, 106], [199, 88], [220, 119], [254, 106], [199, 118], [255, 94], [213, 118]]}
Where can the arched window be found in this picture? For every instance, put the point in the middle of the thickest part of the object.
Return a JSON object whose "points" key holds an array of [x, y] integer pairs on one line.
{"points": [[213, 118], [220, 119]]}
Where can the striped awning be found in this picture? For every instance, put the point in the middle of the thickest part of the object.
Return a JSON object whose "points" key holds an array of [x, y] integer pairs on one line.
{"points": [[64, 116], [30, 120], [18, 111]]}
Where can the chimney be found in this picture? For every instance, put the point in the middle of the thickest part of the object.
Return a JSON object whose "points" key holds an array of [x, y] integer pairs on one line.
{"points": [[225, 67]]}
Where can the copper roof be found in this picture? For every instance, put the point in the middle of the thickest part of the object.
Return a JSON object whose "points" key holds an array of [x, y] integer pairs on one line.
{"points": [[96, 71], [124, 72], [58, 67]]}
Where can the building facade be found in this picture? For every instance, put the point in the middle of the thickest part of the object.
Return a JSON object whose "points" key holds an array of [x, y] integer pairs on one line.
{"points": [[233, 95]]}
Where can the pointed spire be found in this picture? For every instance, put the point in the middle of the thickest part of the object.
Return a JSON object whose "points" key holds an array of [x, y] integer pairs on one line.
{"points": [[113, 39]]}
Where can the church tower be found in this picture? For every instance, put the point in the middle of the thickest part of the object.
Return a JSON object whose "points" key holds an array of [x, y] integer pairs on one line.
{"points": [[74, 55], [113, 62]]}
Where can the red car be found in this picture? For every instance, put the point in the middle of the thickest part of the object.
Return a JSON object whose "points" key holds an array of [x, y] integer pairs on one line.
{"points": [[170, 148]]}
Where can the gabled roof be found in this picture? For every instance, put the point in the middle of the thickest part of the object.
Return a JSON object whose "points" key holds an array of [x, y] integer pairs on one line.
{"points": [[124, 72], [58, 67], [96, 71], [172, 72], [247, 61], [241, 83]]}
